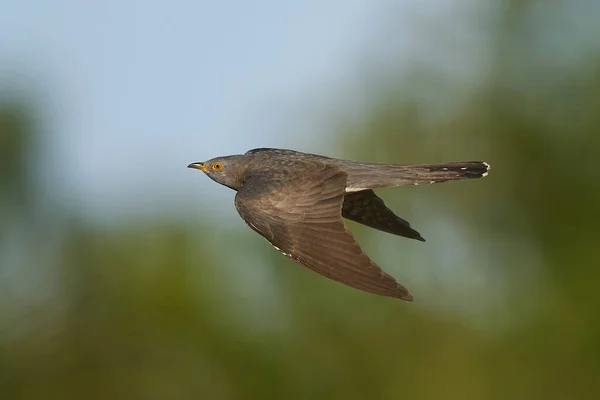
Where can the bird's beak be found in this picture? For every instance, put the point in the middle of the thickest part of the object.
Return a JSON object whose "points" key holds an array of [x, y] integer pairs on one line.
{"points": [[198, 165]]}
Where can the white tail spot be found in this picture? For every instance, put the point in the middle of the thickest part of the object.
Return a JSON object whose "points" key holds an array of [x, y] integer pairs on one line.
{"points": [[463, 168], [444, 169], [487, 166]]}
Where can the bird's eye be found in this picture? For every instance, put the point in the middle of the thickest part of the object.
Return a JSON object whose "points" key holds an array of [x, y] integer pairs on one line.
{"points": [[217, 166]]}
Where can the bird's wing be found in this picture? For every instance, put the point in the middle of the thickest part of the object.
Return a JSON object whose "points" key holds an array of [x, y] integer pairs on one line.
{"points": [[366, 208], [299, 213]]}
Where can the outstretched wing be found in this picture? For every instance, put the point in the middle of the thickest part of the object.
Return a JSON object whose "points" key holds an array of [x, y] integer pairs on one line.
{"points": [[298, 210], [366, 208]]}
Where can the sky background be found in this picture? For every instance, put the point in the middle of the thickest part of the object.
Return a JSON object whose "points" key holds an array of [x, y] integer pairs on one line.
{"points": [[130, 92], [133, 91]]}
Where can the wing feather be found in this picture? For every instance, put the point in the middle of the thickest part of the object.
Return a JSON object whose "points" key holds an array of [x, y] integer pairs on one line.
{"points": [[366, 208], [300, 214]]}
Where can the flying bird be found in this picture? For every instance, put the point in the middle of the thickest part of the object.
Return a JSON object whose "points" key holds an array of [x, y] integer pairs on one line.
{"points": [[298, 202]]}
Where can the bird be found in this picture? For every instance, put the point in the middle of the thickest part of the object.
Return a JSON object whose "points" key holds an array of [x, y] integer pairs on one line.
{"points": [[298, 201]]}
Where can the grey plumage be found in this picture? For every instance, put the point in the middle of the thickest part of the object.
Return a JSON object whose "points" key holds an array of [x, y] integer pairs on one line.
{"points": [[366, 208], [297, 201]]}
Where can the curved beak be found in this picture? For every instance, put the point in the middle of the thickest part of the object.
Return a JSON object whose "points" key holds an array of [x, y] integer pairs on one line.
{"points": [[198, 165]]}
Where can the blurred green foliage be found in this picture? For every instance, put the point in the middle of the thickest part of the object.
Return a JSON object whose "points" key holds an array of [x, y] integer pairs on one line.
{"points": [[145, 310]]}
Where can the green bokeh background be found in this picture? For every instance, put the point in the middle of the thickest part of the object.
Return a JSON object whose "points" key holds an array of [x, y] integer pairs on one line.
{"points": [[507, 298]]}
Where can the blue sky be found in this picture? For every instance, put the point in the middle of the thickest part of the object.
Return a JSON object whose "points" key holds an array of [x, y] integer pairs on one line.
{"points": [[131, 91]]}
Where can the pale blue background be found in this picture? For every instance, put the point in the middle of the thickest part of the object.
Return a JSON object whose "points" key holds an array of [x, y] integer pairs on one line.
{"points": [[135, 90]]}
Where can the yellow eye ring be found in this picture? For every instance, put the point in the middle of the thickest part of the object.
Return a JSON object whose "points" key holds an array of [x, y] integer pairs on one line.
{"points": [[217, 166]]}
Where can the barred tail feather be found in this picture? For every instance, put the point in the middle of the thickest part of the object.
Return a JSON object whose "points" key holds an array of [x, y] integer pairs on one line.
{"points": [[434, 173], [370, 176]]}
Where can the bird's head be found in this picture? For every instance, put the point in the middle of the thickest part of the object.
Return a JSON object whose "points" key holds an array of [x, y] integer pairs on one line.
{"points": [[225, 170]]}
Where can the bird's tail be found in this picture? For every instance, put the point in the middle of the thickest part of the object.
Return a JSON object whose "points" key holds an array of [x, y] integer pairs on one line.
{"points": [[369, 176], [434, 173]]}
